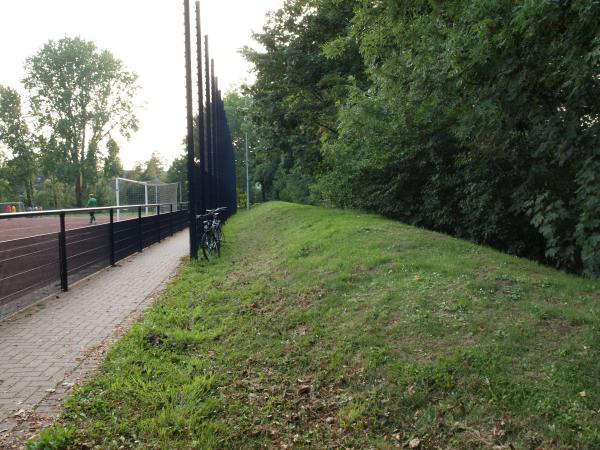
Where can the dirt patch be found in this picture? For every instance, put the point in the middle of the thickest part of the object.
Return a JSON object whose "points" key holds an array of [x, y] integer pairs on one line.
{"points": [[26, 424], [502, 283], [558, 327]]}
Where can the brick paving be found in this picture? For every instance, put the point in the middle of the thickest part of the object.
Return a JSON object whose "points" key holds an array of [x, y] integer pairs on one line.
{"points": [[51, 346]]}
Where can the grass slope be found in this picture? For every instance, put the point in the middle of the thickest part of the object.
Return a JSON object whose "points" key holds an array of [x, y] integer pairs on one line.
{"points": [[324, 328]]}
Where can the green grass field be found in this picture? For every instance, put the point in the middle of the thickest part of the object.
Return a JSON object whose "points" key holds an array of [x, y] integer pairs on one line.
{"points": [[334, 329]]}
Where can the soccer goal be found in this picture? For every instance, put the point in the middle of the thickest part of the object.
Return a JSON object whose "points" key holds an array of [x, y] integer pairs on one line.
{"points": [[9, 207], [132, 192]]}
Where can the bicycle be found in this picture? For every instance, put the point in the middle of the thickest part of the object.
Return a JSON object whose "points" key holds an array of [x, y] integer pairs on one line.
{"points": [[212, 232]]}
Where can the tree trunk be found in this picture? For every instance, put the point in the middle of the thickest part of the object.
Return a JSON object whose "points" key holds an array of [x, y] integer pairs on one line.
{"points": [[29, 192], [78, 190]]}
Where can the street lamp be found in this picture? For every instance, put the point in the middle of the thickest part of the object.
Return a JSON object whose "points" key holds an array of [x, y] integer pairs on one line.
{"points": [[247, 175], [245, 111]]}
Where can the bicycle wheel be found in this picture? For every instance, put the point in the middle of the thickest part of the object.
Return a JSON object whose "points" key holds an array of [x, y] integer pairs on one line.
{"points": [[217, 240], [219, 235], [208, 246]]}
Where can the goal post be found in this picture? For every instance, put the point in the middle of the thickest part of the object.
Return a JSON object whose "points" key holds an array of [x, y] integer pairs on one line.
{"points": [[133, 192], [14, 207]]}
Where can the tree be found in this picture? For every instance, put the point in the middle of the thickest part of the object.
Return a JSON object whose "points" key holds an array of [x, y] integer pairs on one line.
{"points": [[14, 132], [480, 123], [154, 168], [300, 79], [478, 118], [79, 97], [5, 188], [112, 167], [238, 109], [177, 173]]}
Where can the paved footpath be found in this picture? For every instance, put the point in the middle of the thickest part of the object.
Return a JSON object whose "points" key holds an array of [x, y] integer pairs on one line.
{"points": [[49, 347]]}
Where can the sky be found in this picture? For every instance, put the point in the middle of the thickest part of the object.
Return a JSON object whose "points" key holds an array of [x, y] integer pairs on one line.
{"points": [[148, 36]]}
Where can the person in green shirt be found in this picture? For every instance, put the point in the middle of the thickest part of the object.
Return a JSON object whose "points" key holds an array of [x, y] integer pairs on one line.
{"points": [[92, 203]]}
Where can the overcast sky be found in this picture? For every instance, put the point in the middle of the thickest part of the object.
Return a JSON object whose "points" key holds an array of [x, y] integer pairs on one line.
{"points": [[148, 36]]}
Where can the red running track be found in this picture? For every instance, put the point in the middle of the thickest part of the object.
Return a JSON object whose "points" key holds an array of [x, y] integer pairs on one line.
{"points": [[11, 229]]}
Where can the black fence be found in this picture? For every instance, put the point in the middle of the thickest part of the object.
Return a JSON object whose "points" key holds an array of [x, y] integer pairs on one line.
{"points": [[36, 266], [210, 153]]}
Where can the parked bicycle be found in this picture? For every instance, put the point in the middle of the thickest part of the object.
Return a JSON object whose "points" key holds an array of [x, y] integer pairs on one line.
{"points": [[212, 232]]}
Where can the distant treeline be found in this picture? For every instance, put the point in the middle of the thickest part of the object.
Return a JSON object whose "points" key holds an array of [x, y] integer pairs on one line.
{"points": [[478, 118]]}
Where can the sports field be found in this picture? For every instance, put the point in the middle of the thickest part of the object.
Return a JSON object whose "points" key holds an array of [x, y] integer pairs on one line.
{"points": [[11, 229]]}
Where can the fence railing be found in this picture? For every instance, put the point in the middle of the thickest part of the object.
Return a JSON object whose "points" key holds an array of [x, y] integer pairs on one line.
{"points": [[40, 264]]}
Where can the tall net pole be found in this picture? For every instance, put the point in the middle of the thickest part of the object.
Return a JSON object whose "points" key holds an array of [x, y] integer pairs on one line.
{"points": [[201, 135], [213, 134], [118, 199], [247, 176], [209, 162], [217, 137], [190, 134]]}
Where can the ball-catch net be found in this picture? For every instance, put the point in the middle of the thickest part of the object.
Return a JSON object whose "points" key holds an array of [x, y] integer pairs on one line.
{"points": [[132, 192]]}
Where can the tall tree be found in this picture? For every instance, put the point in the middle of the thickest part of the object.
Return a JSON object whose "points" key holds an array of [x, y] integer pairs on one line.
{"points": [[299, 81], [79, 97], [479, 118], [177, 173], [5, 188], [112, 167], [238, 109], [154, 168], [14, 132]]}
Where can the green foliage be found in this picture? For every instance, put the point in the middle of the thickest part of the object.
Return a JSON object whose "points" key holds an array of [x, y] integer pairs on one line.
{"points": [[6, 192], [475, 118], [80, 97], [54, 438], [177, 173], [112, 167], [14, 132], [294, 99], [53, 194], [154, 168], [237, 108], [323, 328]]}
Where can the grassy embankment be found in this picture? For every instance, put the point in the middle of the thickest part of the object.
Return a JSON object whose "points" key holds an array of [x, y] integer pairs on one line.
{"points": [[326, 328]]}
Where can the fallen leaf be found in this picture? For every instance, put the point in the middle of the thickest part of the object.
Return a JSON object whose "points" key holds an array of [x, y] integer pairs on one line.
{"points": [[414, 443]]}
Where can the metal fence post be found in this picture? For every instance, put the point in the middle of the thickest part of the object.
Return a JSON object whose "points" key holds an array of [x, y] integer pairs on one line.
{"points": [[171, 220], [62, 247], [140, 235], [111, 230], [158, 221]]}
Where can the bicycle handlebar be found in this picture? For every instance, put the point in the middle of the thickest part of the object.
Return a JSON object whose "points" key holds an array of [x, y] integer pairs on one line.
{"points": [[211, 213]]}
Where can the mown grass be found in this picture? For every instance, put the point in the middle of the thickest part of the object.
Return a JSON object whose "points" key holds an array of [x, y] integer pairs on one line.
{"points": [[323, 328]]}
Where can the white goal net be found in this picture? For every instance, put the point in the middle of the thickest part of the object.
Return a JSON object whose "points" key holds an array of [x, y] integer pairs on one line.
{"points": [[131, 192]]}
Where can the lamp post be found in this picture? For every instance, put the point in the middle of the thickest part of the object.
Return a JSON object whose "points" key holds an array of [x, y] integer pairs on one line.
{"points": [[247, 175], [245, 112]]}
